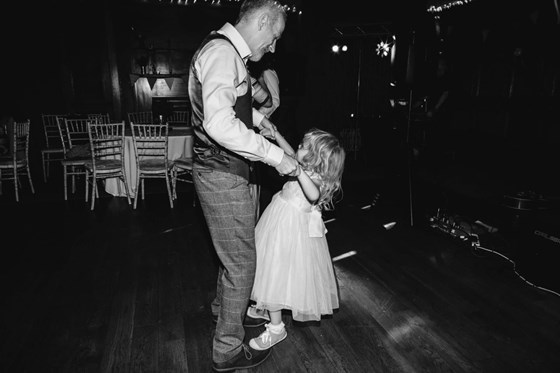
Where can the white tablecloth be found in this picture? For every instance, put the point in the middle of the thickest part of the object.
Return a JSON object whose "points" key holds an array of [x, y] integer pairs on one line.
{"points": [[180, 145]]}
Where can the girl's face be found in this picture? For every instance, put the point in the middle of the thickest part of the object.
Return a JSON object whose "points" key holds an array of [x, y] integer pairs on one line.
{"points": [[301, 152]]}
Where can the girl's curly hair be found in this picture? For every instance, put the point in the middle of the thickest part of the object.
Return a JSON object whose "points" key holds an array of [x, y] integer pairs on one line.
{"points": [[325, 157]]}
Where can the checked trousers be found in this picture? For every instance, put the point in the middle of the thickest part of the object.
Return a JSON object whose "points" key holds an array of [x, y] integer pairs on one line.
{"points": [[229, 210]]}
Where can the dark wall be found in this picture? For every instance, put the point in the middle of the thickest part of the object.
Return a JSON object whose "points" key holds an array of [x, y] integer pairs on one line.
{"points": [[61, 55], [502, 126], [505, 59]]}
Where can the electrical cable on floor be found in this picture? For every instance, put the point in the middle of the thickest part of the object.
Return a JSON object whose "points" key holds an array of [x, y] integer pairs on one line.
{"points": [[477, 246], [455, 230]]}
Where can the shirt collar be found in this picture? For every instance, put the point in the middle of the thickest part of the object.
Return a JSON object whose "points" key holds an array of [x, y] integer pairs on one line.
{"points": [[236, 39]]}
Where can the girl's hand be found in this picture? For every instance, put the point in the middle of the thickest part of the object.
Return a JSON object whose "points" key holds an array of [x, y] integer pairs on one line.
{"points": [[297, 171]]}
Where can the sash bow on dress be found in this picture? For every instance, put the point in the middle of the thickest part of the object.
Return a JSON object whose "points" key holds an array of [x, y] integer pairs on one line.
{"points": [[316, 225]]}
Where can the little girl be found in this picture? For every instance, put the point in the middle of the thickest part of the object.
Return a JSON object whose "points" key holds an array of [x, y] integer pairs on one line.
{"points": [[294, 267]]}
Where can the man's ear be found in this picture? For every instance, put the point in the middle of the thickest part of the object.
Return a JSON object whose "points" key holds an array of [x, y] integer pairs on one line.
{"points": [[263, 21]]}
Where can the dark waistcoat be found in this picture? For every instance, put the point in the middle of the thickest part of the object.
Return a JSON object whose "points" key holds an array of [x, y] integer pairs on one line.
{"points": [[207, 152]]}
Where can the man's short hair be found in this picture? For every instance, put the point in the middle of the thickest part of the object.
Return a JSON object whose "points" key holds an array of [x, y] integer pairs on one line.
{"points": [[249, 7]]}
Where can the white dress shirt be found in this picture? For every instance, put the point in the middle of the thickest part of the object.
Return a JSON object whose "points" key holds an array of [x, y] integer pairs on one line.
{"points": [[222, 73]]}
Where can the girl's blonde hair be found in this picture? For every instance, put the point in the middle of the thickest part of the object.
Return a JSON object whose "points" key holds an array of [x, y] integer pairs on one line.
{"points": [[325, 157]]}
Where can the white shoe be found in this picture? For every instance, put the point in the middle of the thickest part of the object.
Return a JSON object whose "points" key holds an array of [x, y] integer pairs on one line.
{"points": [[267, 339], [255, 313]]}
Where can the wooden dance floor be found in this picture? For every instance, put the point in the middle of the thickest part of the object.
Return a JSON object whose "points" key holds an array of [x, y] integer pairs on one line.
{"points": [[123, 290]]}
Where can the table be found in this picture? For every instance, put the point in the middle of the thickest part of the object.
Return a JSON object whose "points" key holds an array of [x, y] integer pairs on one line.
{"points": [[180, 145]]}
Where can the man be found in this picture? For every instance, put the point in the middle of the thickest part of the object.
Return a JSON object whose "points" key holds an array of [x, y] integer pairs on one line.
{"points": [[225, 145]]}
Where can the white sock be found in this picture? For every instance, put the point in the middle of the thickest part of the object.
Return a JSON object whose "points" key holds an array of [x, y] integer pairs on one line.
{"points": [[276, 329]]}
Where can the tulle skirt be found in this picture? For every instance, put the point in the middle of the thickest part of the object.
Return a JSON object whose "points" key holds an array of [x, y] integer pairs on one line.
{"points": [[294, 270]]}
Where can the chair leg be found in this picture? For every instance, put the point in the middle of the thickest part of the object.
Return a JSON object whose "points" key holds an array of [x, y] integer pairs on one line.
{"points": [[174, 182], [73, 179], [93, 182], [45, 163], [65, 183], [16, 179], [137, 190], [93, 192], [87, 185], [126, 189], [30, 181], [169, 192]]}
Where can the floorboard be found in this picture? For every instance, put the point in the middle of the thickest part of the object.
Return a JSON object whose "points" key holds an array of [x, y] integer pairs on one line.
{"points": [[124, 290]]}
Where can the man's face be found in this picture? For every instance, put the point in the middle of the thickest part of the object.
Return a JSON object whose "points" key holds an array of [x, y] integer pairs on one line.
{"points": [[267, 37]]}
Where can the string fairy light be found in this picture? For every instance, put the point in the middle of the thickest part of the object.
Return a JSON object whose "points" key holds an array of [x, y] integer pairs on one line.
{"points": [[219, 3], [447, 5]]}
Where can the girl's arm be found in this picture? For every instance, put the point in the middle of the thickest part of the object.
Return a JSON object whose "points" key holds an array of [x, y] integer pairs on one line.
{"points": [[281, 141], [309, 186]]}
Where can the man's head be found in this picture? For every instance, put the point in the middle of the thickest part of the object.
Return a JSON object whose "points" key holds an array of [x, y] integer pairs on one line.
{"points": [[261, 23]]}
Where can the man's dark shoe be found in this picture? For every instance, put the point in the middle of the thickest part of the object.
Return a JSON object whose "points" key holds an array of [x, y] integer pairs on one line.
{"points": [[246, 358], [248, 322]]}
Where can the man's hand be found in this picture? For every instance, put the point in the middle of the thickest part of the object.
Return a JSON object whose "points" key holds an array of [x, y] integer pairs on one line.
{"points": [[268, 133], [288, 166], [266, 123]]}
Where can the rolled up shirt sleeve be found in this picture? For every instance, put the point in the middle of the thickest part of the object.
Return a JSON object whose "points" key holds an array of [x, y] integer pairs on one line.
{"points": [[222, 74]]}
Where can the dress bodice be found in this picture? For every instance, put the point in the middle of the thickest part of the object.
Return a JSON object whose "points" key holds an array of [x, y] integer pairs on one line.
{"points": [[293, 194]]}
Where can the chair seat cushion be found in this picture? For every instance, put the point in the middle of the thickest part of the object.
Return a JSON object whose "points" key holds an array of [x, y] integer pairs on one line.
{"points": [[152, 165], [79, 151], [75, 161], [108, 164]]}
